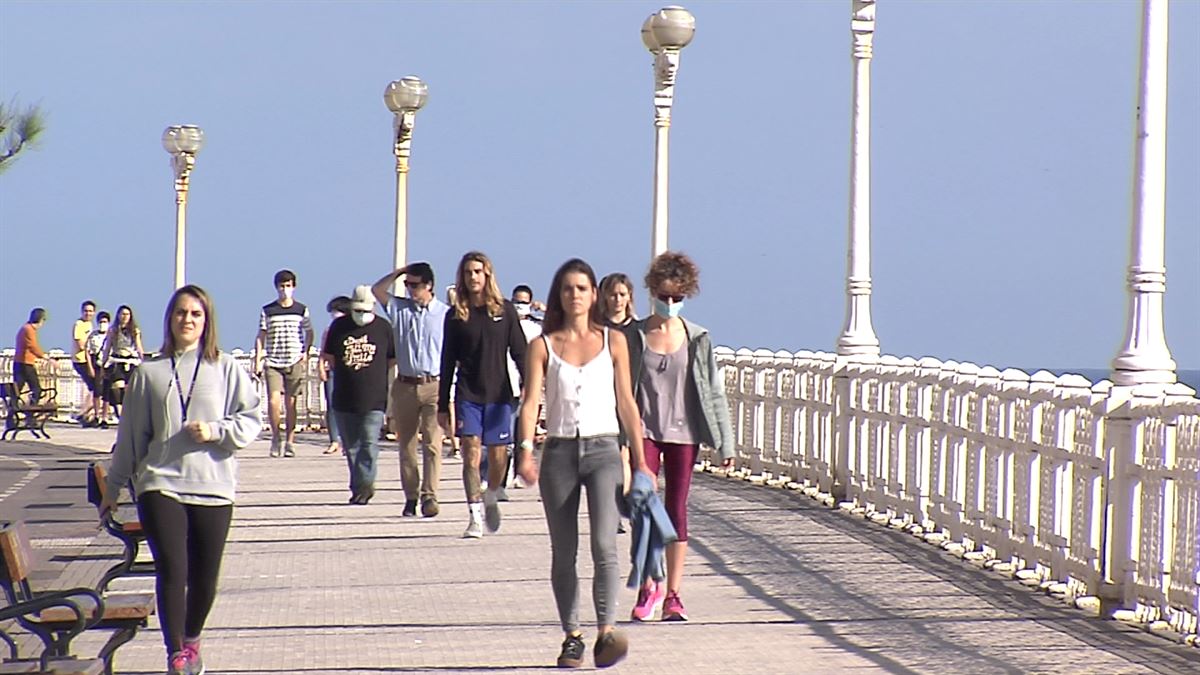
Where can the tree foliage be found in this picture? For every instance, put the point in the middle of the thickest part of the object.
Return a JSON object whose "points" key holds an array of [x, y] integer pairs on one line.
{"points": [[19, 129]]}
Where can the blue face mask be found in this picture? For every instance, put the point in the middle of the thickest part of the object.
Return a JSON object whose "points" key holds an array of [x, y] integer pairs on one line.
{"points": [[667, 310]]}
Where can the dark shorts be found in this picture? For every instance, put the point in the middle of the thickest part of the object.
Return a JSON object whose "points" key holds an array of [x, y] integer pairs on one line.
{"points": [[492, 422], [88, 380]]}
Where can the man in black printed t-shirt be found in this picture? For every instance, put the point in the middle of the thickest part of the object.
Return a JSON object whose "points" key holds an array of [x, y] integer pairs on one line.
{"points": [[360, 352]]}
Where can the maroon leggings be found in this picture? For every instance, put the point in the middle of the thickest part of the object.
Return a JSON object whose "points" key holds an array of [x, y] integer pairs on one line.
{"points": [[677, 459]]}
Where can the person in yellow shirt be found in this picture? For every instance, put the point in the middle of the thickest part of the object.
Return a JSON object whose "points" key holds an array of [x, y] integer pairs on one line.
{"points": [[82, 364]]}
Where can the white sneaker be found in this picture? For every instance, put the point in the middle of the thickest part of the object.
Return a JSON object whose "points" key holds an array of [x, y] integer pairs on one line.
{"points": [[491, 509], [276, 447], [501, 495], [475, 524]]}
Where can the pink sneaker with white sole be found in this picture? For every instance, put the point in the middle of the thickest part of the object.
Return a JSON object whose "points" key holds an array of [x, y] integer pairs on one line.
{"points": [[650, 601]]}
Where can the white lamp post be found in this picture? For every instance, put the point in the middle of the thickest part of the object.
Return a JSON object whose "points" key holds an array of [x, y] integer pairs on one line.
{"points": [[404, 98], [1145, 358], [664, 33], [183, 142], [858, 340]]}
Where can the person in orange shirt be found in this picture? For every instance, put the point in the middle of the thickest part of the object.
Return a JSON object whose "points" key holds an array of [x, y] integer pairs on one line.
{"points": [[28, 353]]}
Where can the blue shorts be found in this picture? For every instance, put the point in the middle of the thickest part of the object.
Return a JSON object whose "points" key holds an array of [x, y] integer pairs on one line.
{"points": [[492, 422]]}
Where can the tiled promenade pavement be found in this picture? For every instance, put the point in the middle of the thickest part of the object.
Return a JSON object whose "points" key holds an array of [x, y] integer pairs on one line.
{"points": [[775, 584]]}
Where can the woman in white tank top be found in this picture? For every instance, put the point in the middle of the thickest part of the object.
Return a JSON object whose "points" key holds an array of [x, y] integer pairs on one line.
{"points": [[585, 369]]}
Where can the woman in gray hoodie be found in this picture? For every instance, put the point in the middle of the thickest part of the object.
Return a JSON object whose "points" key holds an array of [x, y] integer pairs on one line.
{"points": [[187, 412]]}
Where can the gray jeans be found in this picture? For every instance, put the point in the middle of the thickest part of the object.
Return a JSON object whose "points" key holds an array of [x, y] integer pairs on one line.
{"points": [[568, 464]]}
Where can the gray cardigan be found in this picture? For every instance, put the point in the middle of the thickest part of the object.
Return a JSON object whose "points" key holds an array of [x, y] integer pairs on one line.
{"points": [[705, 402]]}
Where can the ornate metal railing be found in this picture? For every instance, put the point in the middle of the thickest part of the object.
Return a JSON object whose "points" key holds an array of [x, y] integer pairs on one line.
{"points": [[1088, 490]]}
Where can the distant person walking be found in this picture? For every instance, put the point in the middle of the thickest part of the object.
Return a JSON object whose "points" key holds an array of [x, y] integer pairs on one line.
{"points": [[29, 352], [479, 334], [359, 351], [681, 396], [79, 360], [94, 348], [616, 296], [585, 368], [337, 308], [285, 334], [187, 412], [418, 322], [121, 354]]}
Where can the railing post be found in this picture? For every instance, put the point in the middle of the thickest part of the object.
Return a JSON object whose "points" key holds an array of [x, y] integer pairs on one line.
{"points": [[1122, 435]]}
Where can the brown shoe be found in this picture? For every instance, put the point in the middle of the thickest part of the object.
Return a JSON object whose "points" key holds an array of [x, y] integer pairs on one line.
{"points": [[429, 507], [610, 648]]}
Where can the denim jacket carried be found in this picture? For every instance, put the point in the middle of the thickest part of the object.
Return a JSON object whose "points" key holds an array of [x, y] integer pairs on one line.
{"points": [[652, 531], [705, 402]]}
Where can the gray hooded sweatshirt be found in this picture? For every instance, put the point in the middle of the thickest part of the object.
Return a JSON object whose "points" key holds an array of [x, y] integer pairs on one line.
{"points": [[158, 454]]}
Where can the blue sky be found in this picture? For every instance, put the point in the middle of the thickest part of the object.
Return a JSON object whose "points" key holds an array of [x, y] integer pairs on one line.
{"points": [[1002, 161]]}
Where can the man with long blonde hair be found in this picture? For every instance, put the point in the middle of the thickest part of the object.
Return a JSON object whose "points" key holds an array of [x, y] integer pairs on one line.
{"points": [[478, 335]]}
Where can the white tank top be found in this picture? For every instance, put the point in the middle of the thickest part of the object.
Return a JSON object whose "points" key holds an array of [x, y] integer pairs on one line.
{"points": [[580, 401]]}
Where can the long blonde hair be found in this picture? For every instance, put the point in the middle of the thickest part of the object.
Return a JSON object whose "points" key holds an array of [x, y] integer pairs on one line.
{"points": [[492, 298]]}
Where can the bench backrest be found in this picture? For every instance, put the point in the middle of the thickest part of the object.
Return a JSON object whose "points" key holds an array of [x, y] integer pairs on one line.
{"points": [[16, 559], [8, 392], [97, 483]]}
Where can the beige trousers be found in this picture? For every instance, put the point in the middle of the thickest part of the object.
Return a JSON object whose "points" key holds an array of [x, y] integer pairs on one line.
{"points": [[414, 410]]}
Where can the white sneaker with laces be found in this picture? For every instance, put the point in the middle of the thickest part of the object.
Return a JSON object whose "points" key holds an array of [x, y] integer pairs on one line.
{"points": [[475, 524]]}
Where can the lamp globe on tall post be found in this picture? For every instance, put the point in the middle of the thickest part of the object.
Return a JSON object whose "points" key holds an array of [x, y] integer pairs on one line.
{"points": [[404, 97], [182, 142], [664, 33]]}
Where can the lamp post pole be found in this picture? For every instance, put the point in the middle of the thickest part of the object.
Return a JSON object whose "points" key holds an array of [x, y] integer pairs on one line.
{"points": [[1145, 358], [858, 340], [182, 142], [664, 33], [404, 97]]}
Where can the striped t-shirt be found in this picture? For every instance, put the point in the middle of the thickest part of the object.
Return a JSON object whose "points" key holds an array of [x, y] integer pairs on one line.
{"points": [[285, 328]]}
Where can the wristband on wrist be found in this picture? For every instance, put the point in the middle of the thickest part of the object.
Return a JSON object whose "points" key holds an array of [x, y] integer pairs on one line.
{"points": [[526, 445]]}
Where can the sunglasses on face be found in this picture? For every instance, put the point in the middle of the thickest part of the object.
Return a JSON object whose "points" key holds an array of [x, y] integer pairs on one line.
{"points": [[414, 284], [676, 299]]}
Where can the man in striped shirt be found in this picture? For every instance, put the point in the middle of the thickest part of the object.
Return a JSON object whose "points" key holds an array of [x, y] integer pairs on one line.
{"points": [[281, 355]]}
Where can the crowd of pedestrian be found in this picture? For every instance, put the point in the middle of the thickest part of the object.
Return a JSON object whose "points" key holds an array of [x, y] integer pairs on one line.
{"points": [[611, 400]]}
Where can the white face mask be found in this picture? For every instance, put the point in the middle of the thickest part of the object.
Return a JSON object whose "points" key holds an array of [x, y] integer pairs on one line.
{"points": [[288, 292], [103, 327], [362, 318], [524, 309], [667, 310]]}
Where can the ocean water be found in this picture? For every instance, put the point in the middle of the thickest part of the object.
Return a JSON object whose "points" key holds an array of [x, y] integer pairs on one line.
{"points": [[1189, 377]]}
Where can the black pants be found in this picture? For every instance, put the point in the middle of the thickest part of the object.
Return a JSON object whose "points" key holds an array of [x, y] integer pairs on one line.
{"points": [[187, 542], [25, 373]]}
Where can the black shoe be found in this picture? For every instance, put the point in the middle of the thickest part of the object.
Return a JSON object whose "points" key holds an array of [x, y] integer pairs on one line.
{"points": [[354, 498], [104, 424], [365, 495], [610, 648], [410, 508], [572, 652]]}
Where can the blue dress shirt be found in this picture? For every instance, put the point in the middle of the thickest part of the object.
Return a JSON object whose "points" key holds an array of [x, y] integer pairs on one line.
{"points": [[418, 335]]}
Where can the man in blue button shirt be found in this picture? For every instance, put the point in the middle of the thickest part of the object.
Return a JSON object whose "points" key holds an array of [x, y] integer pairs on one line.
{"points": [[417, 321]]}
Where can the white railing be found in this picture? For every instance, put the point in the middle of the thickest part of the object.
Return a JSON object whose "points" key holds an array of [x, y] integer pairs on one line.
{"points": [[60, 374], [1088, 489]]}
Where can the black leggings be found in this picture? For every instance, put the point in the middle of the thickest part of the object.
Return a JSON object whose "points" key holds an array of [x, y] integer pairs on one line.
{"points": [[187, 542]]}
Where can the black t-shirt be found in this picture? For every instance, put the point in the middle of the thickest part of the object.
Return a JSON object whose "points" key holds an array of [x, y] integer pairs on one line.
{"points": [[478, 349], [360, 363]]}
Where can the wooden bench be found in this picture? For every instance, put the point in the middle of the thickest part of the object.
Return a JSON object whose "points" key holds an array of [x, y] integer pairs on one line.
{"points": [[128, 530], [22, 415], [56, 617]]}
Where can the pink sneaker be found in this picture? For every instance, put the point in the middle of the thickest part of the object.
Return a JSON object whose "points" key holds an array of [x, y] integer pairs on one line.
{"points": [[177, 664], [650, 600], [194, 661], [673, 609]]}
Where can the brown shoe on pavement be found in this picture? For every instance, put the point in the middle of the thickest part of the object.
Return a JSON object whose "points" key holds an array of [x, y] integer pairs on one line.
{"points": [[429, 507], [610, 648]]}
